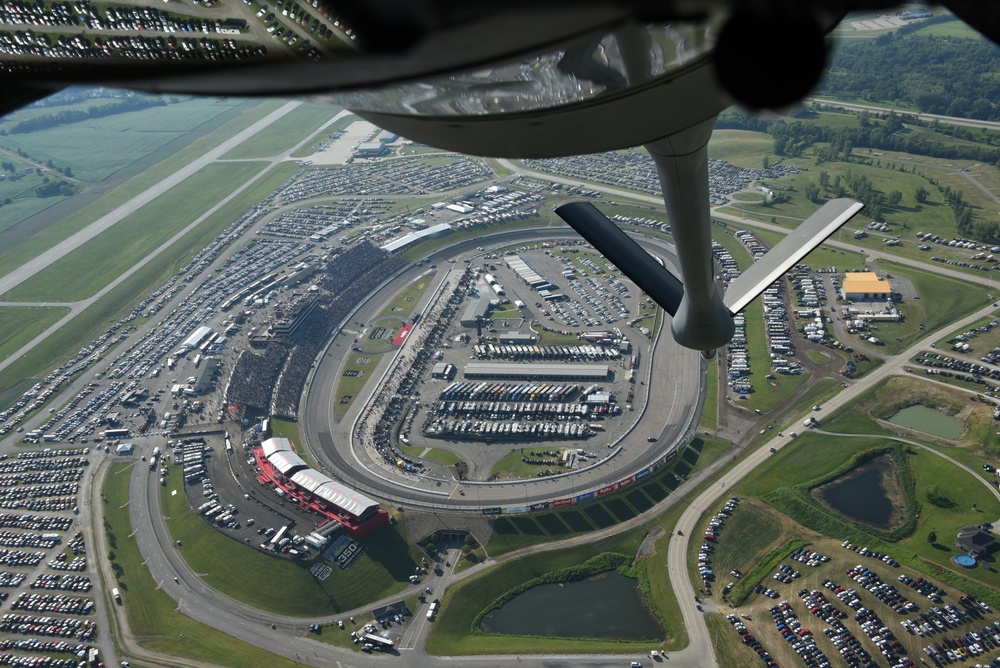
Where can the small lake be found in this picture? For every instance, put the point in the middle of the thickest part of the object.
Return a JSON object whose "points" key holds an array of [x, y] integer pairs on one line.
{"points": [[860, 494], [929, 421], [606, 605]]}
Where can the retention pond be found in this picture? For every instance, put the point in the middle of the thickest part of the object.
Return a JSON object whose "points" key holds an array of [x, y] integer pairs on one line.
{"points": [[870, 494], [929, 421], [606, 605]]}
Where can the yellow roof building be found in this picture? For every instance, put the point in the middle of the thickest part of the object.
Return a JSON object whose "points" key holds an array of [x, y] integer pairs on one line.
{"points": [[865, 285]]}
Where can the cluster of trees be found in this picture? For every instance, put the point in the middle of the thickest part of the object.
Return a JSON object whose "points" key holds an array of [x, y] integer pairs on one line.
{"points": [[985, 231], [938, 75], [67, 116], [58, 188]]}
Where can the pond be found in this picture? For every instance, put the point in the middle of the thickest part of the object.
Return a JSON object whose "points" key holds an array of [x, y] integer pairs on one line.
{"points": [[929, 421], [861, 494], [606, 605]]}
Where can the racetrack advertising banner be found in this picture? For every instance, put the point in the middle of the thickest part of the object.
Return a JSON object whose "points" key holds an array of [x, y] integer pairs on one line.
{"points": [[643, 473], [584, 497], [559, 503], [492, 511], [605, 490], [624, 483], [544, 505], [513, 510]]}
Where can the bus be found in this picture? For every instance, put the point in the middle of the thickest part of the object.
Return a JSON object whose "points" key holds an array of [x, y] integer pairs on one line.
{"points": [[378, 641], [116, 433]]}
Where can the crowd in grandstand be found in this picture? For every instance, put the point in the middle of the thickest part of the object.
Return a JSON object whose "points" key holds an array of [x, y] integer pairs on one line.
{"points": [[253, 377], [348, 279]]}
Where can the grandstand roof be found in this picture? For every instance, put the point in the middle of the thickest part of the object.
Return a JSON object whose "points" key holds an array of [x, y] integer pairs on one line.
{"points": [[332, 491], [345, 498], [310, 479], [272, 445], [414, 237], [286, 461]]}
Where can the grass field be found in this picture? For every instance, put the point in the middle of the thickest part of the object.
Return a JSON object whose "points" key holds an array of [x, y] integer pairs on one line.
{"points": [[20, 324], [283, 586], [152, 615], [405, 301], [98, 261], [741, 147], [752, 530], [451, 633], [814, 455], [287, 132]]}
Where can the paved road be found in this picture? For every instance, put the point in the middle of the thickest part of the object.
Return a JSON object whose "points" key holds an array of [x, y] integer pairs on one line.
{"points": [[951, 120]]}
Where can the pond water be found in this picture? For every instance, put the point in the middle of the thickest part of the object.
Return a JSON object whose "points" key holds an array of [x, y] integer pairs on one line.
{"points": [[606, 605], [860, 495], [929, 421]]}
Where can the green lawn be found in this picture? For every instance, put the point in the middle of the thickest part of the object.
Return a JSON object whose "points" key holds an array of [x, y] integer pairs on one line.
{"points": [[741, 147], [97, 148], [405, 301], [511, 466], [152, 615], [451, 632], [752, 530], [814, 455]]}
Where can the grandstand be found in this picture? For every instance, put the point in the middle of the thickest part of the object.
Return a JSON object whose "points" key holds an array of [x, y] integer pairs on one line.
{"points": [[281, 468]]}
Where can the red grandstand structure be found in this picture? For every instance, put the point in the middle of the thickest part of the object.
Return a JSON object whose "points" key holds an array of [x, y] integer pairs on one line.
{"points": [[280, 468]]}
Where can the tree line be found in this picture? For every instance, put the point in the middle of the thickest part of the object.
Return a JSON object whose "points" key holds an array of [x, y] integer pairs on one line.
{"points": [[67, 116], [794, 138]]}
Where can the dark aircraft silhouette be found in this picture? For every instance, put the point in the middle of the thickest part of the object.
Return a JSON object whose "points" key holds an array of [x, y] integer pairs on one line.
{"points": [[518, 79]]}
